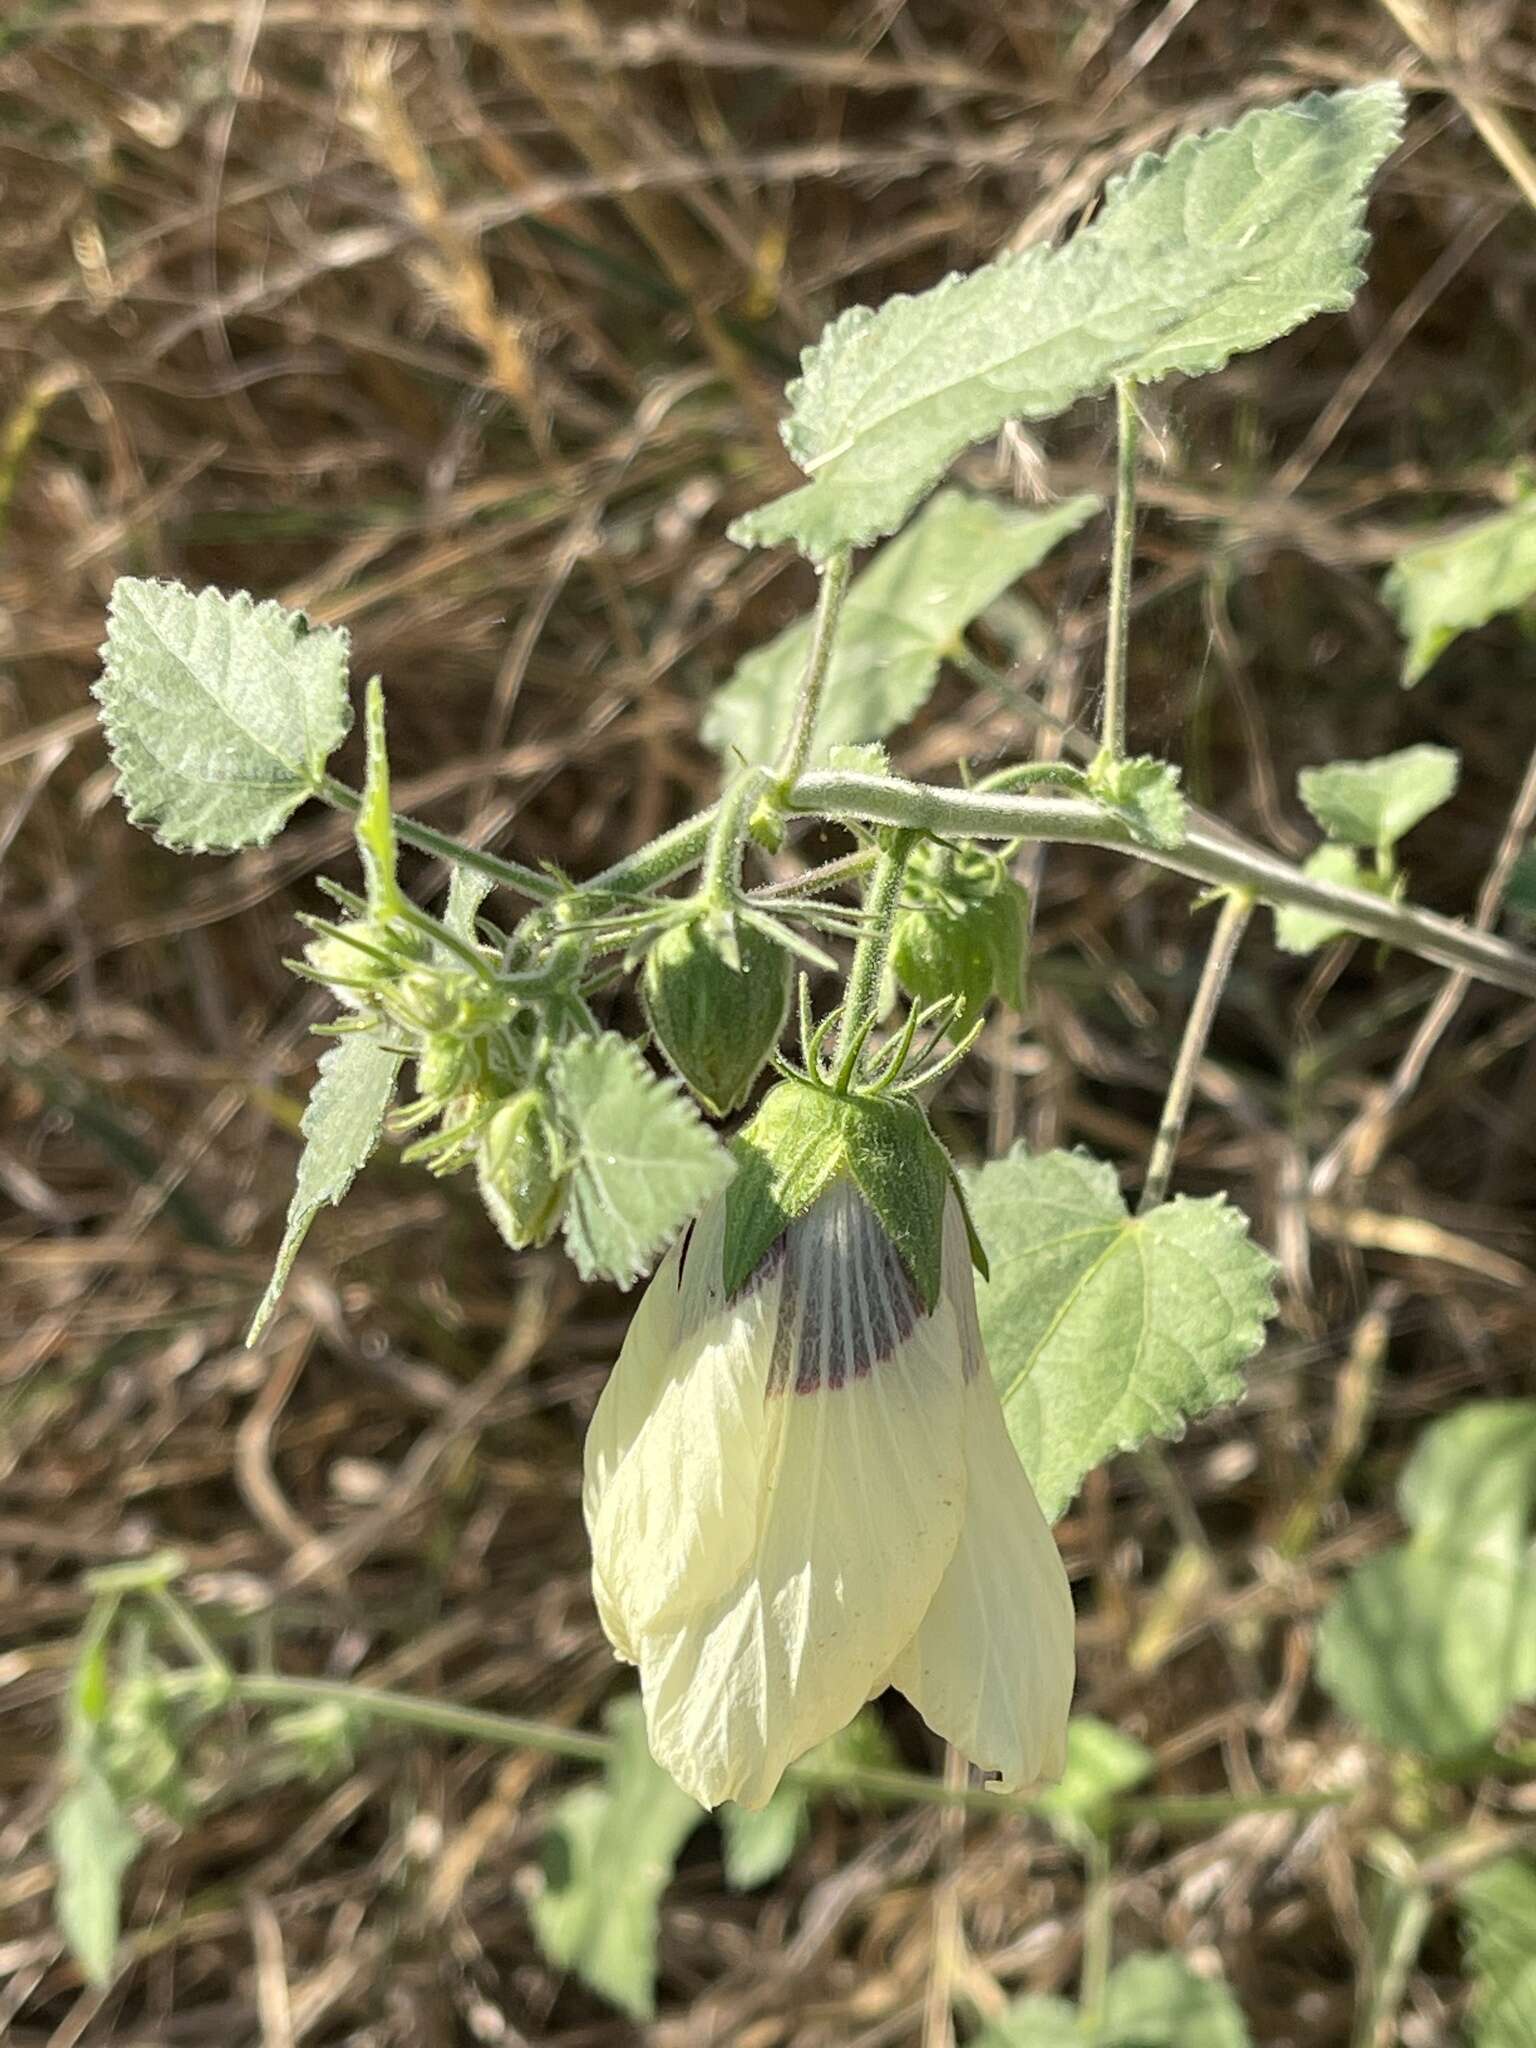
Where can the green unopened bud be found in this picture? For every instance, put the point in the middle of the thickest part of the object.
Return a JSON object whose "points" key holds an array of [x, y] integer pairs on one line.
{"points": [[444, 1067], [519, 1170], [347, 960], [427, 999], [966, 935], [716, 998]]}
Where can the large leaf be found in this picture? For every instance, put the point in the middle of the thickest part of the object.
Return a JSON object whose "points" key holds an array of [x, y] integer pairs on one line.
{"points": [[1103, 1328], [1231, 239], [1149, 2002], [900, 619], [644, 1161], [221, 713], [607, 1860], [341, 1127], [1449, 586], [93, 1843], [1430, 1643], [1374, 803], [1499, 1907]]}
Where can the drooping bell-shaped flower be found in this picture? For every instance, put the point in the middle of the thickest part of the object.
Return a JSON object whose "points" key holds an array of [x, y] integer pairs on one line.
{"points": [[799, 1485]]}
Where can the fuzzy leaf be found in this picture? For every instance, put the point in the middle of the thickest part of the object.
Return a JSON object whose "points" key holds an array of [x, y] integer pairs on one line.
{"points": [[1230, 240], [221, 713], [759, 1843], [1446, 587], [1100, 1762], [1149, 2002], [643, 1160], [1374, 803], [1498, 1905], [607, 1859], [1144, 793], [93, 1843], [1430, 1643], [341, 1127], [1103, 1328], [1303, 931], [901, 617]]}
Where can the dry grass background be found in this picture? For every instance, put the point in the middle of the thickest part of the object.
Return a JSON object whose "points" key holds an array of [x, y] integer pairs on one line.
{"points": [[465, 326]]}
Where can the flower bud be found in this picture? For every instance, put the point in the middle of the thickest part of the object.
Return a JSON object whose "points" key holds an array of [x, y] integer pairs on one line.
{"points": [[965, 936], [518, 1166], [427, 999], [716, 1019], [346, 960]]}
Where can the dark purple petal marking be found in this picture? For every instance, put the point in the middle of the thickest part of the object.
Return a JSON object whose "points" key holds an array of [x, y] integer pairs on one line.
{"points": [[846, 1302]]}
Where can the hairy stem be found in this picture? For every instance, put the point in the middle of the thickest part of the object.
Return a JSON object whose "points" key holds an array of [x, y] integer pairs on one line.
{"points": [[882, 900], [1214, 858], [527, 881], [829, 604], [1225, 940], [660, 860], [1123, 546], [510, 1731]]}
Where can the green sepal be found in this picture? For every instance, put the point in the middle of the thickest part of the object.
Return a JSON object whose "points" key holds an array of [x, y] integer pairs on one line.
{"points": [[802, 1141]]}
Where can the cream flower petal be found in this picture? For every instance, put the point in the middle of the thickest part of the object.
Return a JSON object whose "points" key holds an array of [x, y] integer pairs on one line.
{"points": [[991, 1667], [831, 1471]]}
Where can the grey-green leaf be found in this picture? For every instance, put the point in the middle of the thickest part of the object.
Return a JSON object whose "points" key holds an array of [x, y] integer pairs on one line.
{"points": [[902, 616], [341, 1127], [1144, 794], [221, 713], [1374, 803], [759, 1844], [644, 1160], [1159, 2002], [1430, 1643], [1298, 930], [608, 1858], [1229, 241], [1101, 1762], [1498, 1905], [1446, 587], [1036, 2023], [93, 1844], [1103, 1328]]}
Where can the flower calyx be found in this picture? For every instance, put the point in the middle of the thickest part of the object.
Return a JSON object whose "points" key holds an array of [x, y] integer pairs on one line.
{"points": [[715, 988], [964, 934]]}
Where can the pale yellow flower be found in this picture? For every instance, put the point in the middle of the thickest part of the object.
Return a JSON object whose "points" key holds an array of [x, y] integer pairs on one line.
{"points": [[804, 1493]]}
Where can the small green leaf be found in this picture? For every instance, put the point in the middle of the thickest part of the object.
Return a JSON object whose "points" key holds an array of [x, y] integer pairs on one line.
{"points": [[1447, 587], [375, 831], [643, 1161], [1149, 2002], [1498, 1905], [1144, 793], [758, 1845], [1103, 1328], [221, 713], [608, 1858], [1036, 2023], [1374, 803], [93, 1844], [467, 890], [1159, 2002], [341, 1127], [1230, 240], [1101, 1762], [1303, 931], [859, 758], [902, 616], [1429, 1644]]}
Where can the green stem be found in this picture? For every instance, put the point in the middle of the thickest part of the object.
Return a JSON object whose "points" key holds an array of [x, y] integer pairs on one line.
{"points": [[882, 901], [527, 881], [1215, 859], [1098, 1931], [1027, 774], [1122, 548], [510, 1731], [1225, 940], [660, 860], [796, 751]]}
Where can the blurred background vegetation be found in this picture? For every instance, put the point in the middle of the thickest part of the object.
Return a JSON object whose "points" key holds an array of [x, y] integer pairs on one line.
{"points": [[466, 326]]}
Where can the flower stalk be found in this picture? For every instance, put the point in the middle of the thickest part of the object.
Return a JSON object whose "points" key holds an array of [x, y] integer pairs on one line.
{"points": [[882, 901]]}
